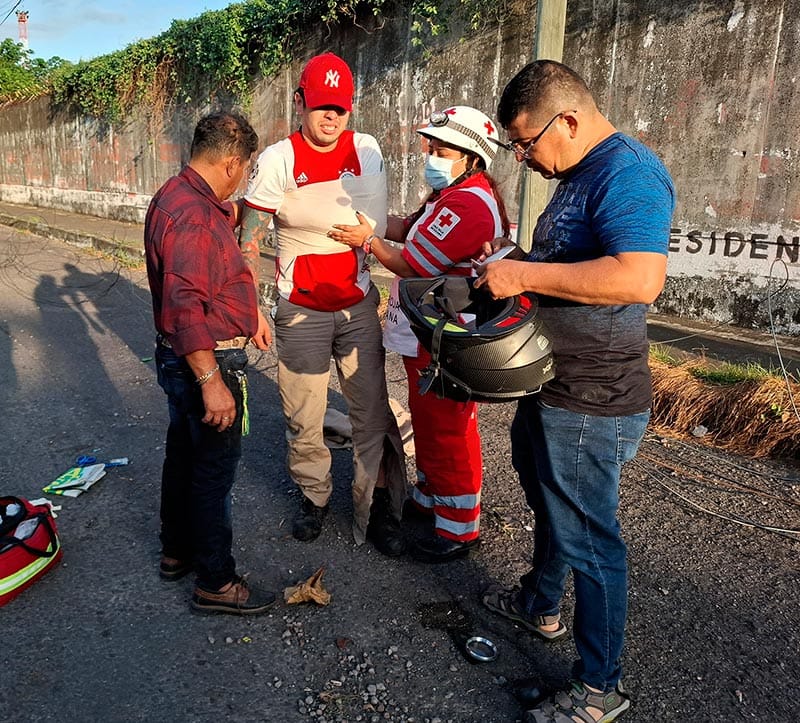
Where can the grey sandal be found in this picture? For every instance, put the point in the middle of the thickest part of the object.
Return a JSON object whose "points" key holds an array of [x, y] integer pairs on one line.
{"points": [[570, 706], [503, 601]]}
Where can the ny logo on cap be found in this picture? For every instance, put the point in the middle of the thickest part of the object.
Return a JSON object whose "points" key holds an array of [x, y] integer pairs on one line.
{"points": [[332, 78]]}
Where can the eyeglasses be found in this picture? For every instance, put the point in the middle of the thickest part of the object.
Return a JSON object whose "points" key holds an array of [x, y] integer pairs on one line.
{"points": [[523, 151]]}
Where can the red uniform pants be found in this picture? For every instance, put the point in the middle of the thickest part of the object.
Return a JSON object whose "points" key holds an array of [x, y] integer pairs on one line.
{"points": [[448, 453]]}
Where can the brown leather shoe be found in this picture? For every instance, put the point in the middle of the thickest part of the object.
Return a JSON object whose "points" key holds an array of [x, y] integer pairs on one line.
{"points": [[239, 599], [173, 569]]}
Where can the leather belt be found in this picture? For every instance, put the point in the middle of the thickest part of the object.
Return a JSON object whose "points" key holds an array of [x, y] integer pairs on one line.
{"points": [[238, 342]]}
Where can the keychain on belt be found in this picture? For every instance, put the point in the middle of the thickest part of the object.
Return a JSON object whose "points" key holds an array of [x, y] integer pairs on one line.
{"points": [[241, 376]]}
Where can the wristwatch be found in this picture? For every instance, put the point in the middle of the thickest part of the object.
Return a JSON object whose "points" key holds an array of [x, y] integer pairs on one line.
{"points": [[367, 245]]}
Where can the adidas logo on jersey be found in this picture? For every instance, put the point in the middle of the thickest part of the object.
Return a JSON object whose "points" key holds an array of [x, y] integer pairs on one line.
{"points": [[302, 178]]}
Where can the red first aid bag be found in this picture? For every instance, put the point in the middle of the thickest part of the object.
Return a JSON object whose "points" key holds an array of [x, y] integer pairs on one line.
{"points": [[29, 545]]}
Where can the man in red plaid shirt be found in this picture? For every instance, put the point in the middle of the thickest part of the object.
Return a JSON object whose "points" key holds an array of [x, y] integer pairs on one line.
{"points": [[205, 311]]}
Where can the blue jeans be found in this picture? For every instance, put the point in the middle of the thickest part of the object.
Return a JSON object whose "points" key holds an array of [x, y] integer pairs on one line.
{"points": [[199, 469], [569, 466]]}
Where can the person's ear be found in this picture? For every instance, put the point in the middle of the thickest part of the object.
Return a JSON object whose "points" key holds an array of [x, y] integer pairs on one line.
{"points": [[571, 120], [232, 166], [299, 103]]}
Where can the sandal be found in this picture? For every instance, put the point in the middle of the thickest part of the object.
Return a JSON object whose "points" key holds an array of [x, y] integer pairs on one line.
{"points": [[571, 706], [503, 601]]}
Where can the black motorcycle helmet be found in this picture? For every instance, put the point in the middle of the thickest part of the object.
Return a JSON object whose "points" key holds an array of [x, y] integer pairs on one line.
{"points": [[482, 349]]}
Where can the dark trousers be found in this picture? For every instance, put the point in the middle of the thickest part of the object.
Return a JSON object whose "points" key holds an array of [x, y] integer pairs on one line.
{"points": [[199, 469]]}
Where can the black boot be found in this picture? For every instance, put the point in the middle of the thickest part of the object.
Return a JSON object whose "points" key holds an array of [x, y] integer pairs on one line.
{"points": [[308, 523], [383, 529]]}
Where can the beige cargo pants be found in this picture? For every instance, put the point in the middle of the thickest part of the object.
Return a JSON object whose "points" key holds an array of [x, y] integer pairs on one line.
{"points": [[305, 341]]}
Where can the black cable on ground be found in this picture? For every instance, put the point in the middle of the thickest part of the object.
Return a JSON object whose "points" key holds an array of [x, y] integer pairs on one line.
{"points": [[790, 533]]}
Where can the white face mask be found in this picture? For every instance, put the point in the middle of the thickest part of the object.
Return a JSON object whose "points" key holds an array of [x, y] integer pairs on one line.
{"points": [[439, 171]]}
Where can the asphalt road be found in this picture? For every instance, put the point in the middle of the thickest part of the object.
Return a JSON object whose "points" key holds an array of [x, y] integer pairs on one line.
{"points": [[714, 627]]}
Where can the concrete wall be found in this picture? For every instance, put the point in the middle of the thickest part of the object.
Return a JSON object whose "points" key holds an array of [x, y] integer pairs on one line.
{"points": [[712, 86], [53, 160], [709, 85]]}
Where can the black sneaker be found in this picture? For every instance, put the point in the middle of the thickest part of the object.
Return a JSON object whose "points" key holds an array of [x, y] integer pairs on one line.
{"points": [[239, 599], [308, 523], [384, 529], [435, 548]]}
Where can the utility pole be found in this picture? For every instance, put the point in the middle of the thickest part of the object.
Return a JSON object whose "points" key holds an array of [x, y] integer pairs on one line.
{"points": [[551, 20], [22, 24]]}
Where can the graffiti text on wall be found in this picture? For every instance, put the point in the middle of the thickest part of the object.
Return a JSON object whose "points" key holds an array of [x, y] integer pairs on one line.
{"points": [[733, 244]]}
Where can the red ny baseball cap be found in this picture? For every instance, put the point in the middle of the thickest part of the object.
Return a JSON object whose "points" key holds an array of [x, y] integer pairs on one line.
{"points": [[327, 80]]}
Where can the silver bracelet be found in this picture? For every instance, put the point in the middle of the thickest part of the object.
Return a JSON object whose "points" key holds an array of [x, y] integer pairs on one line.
{"points": [[203, 378]]}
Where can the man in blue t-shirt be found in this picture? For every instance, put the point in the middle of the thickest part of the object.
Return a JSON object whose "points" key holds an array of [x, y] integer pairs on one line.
{"points": [[599, 256]]}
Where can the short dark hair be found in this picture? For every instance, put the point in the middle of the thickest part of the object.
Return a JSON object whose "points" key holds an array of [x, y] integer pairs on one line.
{"points": [[542, 88], [224, 133]]}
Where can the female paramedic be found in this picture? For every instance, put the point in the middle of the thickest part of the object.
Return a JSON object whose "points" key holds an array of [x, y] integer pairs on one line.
{"points": [[463, 211]]}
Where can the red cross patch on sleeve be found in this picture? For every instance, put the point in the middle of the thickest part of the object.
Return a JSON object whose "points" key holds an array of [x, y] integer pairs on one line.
{"points": [[445, 221]]}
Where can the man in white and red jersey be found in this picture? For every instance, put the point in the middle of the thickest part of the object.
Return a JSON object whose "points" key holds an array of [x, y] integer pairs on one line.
{"points": [[327, 305]]}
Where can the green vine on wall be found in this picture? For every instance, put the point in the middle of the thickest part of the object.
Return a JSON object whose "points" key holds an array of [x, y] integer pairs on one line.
{"points": [[215, 54], [433, 19], [218, 53]]}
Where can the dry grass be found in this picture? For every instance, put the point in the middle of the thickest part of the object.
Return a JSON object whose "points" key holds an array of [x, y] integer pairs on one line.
{"points": [[753, 418]]}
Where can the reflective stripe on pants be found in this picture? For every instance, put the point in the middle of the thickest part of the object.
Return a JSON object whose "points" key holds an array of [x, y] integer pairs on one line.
{"points": [[448, 452]]}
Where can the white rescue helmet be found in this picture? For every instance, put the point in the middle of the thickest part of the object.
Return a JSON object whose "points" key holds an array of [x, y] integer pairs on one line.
{"points": [[466, 128]]}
